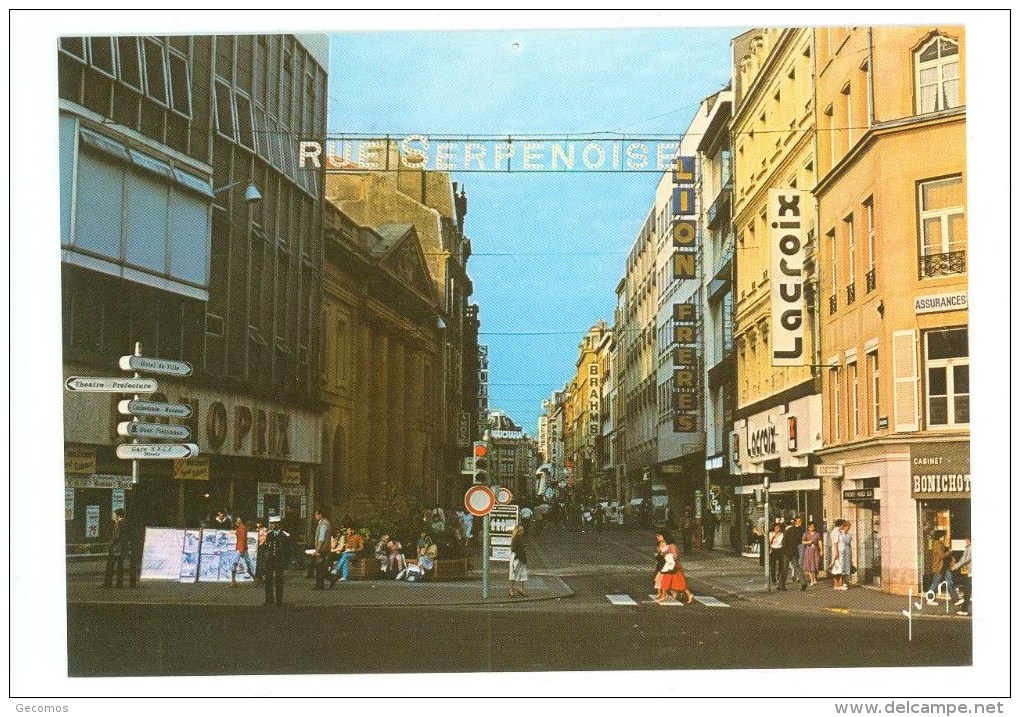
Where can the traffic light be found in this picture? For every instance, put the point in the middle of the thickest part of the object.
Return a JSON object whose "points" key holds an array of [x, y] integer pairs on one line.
{"points": [[480, 463]]}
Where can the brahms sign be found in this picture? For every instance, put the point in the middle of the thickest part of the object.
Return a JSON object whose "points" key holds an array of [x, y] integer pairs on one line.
{"points": [[487, 154], [788, 213]]}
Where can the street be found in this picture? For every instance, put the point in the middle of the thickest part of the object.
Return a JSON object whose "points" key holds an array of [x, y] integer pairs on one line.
{"points": [[729, 627]]}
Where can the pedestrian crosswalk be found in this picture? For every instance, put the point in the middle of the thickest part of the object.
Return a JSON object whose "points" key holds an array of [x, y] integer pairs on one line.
{"points": [[624, 599]]}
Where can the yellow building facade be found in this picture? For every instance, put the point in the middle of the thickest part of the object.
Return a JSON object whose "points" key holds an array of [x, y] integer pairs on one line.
{"points": [[891, 204], [777, 420], [583, 411]]}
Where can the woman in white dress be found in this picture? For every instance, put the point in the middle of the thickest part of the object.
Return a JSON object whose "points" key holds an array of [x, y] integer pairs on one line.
{"points": [[518, 562]]}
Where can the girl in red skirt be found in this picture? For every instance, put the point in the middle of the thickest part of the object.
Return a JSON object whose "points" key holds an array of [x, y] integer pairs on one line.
{"points": [[673, 579]]}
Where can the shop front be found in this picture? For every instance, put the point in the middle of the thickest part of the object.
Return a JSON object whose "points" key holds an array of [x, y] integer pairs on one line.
{"points": [[940, 486]]}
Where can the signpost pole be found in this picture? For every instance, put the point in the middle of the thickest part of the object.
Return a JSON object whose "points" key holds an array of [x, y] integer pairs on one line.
{"points": [[485, 557], [768, 535], [134, 419]]}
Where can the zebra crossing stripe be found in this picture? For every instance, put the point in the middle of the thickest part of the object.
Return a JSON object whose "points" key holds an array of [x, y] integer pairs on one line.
{"points": [[621, 600], [710, 601]]}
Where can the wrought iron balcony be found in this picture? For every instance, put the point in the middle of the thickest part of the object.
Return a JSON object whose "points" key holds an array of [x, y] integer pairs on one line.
{"points": [[832, 304], [851, 294], [954, 262], [869, 281]]}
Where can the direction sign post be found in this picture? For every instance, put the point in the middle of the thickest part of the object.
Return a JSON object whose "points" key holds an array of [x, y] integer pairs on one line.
{"points": [[479, 501]]}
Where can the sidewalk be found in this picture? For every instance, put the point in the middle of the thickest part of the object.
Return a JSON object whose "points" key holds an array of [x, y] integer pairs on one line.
{"points": [[84, 580], [722, 573]]}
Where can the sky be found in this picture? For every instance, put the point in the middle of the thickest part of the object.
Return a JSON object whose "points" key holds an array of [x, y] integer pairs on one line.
{"points": [[547, 249]]}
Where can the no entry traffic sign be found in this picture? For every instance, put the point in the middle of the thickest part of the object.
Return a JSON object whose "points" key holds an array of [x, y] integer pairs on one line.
{"points": [[479, 500]]}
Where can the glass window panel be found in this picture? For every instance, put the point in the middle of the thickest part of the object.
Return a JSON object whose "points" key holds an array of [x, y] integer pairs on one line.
{"points": [[146, 229], [98, 208], [951, 343], [931, 52], [928, 95], [957, 232], [189, 238], [224, 110], [947, 48], [245, 122], [933, 236], [936, 382], [73, 46], [961, 409], [155, 72], [68, 127], [961, 379], [951, 94], [130, 64], [951, 71], [938, 413], [101, 54], [941, 194], [180, 84]]}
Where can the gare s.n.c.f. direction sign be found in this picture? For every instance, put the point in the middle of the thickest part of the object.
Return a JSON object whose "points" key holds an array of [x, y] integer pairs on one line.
{"points": [[111, 385], [153, 408], [137, 429], [143, 451], [146, 364]]}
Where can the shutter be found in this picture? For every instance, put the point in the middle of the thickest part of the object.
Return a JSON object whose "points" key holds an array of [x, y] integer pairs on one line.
{"points": [[904, 370]]}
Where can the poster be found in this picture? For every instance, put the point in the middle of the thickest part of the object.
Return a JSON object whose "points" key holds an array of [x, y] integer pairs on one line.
{"points": [[92, 521], [189, 556], [226, 547], [217, 547], [162, 554], [116, 500], [68, 503]]}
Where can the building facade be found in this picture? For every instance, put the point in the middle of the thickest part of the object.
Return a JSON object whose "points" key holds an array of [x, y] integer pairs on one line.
{"points": [[777, 419], [164, 244], [380, 372], [894, 329]]}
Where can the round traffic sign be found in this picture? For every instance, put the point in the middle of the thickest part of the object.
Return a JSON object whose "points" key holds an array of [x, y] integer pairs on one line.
{"points": [[504, 496], [479, 500]]}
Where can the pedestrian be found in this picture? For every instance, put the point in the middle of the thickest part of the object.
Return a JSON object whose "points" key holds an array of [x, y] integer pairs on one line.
{"points": [[710, 524], [966, 570], [792, 537], [686, 530], [220, 521], [353, 544], [777, 556], [673, 579], [276, 552], [941, 568], [758, 538], [240, 550], [811, 542], [518, 562], [660, 561], [116, 551], [322, 548], [467, 520], [842, 562], [833, 548], [261, 531]]}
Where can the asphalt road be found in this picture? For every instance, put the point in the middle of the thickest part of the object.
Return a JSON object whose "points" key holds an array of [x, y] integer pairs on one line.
{"points": [[583, 632]]}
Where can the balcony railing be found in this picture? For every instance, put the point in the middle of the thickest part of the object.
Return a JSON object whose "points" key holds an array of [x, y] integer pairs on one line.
{"points": [[851, 294], [869, 281], [954, 262], [832, 304]]}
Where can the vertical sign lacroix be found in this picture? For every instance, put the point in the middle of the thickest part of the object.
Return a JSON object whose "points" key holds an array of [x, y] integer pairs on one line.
{"points": [[789, 212]]}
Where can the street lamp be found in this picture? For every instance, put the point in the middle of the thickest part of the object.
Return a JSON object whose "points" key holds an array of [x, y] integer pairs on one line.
{"points": [[251, 192]]}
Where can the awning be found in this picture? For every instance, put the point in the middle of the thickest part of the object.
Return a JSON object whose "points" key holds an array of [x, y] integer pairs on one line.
{"points": [[786, 486]]}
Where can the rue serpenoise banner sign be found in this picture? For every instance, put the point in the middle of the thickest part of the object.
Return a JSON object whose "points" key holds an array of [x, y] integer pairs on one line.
{"points": [[509, 153]]}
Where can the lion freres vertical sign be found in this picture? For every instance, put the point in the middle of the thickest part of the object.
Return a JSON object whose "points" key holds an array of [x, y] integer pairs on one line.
{"points": [[789, 213]]}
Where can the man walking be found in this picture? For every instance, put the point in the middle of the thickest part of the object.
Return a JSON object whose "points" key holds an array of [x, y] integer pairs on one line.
{"points": [[115, 554], [240, 550], [322, 547], [791, 552], [275, 554], [966, 571]]}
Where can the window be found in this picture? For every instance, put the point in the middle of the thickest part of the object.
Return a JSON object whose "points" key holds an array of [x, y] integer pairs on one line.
{"points": [[834, 379], [853, 409], [833, 280], [943, 227], [224, 110], [155, 71], [869, 227], [851, 249], [180, 84], [947, 373], [937, 75], [875, 378], [245, 122], [130, 64], [73, 46], [101, 55]]}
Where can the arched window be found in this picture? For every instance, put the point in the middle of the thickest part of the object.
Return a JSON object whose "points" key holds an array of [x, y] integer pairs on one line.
{"points": [[937, 75]]}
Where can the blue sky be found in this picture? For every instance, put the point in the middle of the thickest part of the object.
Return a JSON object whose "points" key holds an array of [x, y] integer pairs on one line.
{"points": [[549, 249]]}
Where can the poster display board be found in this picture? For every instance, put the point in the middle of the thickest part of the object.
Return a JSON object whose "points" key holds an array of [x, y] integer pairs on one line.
{"points": [[162, 554], [502, 521], [194, 555], [212, 553], [189, 556]]}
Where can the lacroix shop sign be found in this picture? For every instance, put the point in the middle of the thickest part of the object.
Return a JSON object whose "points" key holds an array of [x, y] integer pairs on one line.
{"points": [[940, 470]]}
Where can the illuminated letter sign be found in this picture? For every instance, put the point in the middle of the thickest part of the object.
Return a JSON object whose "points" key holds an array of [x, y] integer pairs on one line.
{"points": [[788, 211]]}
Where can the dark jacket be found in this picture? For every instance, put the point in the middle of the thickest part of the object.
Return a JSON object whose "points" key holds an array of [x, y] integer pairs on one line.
{"points": [[517, 548], [791, 539], [276, 550]]}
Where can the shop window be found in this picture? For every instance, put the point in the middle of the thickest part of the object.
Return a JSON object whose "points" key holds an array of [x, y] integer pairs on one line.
{"points": [[943, 227], [947, 374], [937, 75]]}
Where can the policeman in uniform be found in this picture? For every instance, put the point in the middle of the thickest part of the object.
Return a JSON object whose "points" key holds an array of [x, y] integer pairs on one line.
{"points": [[276, 552]]}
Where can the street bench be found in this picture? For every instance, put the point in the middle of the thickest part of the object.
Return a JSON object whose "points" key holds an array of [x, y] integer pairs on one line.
{"points": [[445, 569]]}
